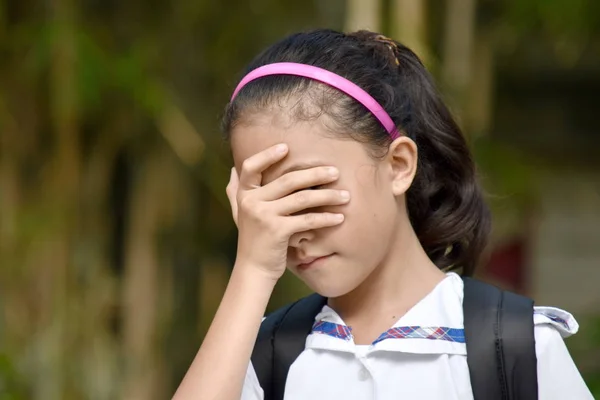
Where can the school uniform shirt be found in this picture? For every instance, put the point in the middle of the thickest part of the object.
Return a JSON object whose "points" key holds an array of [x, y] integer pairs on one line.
{"points": [[423, 356]]}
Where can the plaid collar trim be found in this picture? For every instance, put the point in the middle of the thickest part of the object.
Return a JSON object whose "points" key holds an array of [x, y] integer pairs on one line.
{"points": [[403, 332], [420, 332], [434, 325]]}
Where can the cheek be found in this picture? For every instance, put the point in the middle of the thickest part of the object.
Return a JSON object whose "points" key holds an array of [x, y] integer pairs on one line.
{"points": [[370, 214], [368, 217], [372, 197]]}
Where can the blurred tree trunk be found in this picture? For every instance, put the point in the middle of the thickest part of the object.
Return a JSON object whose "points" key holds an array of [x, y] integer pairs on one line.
{"points": [[60, 189], [468, 66], [409, 25], [9, 180], [457, 52], [98, 286], [157, 199], [481, 89], [363, 14], [15, 318], [140, 284]]}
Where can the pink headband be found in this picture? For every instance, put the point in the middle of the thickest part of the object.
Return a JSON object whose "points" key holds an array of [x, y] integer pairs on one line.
{"points": [[333, 80]]}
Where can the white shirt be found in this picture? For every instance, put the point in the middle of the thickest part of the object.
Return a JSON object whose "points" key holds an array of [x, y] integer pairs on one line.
{"points": [[415, 367]]}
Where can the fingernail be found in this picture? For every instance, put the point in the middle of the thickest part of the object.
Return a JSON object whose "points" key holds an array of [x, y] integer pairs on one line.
{"points": [[332, 171], [344, 194], [338, 217], [281, 148]]}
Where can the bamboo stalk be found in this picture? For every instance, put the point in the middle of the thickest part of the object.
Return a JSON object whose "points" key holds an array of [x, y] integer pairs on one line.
{"points": [[62, 189], [363, 14], [409, 25], [459, 31]]}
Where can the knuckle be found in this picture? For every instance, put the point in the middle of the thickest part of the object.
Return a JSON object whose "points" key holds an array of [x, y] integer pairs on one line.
{"points": [[247, 165], [259, 210], [310, 219], [287, 181], [229, 189], [301, 198], [246, 203]]}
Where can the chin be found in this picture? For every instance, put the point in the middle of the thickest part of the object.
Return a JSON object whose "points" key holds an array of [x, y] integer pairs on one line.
{"points": [[330, 289], [333, 278]]}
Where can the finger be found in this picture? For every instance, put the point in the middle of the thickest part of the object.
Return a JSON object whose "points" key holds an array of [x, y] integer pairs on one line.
{"points": [[298, 180], [311, 221], [232, 189], [307, 199], [232, 185], [253, 167]]}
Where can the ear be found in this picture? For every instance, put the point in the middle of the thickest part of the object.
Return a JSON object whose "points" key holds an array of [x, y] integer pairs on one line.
{"points": [[402, 158]]}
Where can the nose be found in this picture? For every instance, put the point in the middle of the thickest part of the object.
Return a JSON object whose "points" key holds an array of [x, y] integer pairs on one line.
{"points": [[298, 238]]}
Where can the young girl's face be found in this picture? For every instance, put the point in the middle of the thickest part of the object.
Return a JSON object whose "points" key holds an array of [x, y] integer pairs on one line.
{"points": [[372, 217]]}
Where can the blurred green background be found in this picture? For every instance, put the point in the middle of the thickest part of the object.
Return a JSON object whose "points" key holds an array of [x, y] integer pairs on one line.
{"points": [[116, 239]]}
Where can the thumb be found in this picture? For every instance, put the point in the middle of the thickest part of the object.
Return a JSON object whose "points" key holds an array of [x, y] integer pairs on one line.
{"points": [[231, 190]]}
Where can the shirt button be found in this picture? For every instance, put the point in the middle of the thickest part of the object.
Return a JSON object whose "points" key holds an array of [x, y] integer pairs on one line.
{"points": [[363, 374]]}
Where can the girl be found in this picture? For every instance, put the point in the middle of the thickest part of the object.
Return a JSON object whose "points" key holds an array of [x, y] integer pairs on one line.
{"points": [[351, 173]]}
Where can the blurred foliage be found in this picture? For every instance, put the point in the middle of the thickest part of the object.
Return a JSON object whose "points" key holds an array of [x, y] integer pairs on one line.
{"points": [[115, 235], [585, 348], [577, 20]]}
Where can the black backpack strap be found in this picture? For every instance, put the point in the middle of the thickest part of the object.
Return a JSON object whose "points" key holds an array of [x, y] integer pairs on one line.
{"points": [[500, 343], [281, 339]]}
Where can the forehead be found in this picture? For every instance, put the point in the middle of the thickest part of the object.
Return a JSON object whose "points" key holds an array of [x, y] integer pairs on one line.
{"points": [[310, 143]]}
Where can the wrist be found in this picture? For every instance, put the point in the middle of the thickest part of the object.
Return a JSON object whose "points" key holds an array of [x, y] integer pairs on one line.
{"points": [[255, 276]]}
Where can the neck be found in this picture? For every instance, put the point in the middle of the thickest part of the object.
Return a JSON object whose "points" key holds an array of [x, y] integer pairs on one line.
{"points": [[401, 280]]}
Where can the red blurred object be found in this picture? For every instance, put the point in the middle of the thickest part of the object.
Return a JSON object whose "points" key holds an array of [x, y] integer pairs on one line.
{"points": [[508, 265]]}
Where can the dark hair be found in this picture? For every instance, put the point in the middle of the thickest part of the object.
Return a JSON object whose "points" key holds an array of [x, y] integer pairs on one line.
{"points": [[445, 203]]}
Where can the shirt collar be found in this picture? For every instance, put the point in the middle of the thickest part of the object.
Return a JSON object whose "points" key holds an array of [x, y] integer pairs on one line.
{"points": [[433, 326]]}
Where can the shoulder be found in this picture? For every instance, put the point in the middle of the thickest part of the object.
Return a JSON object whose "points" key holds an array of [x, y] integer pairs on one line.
{"points": [[562, 321], [272, 320], [311, 304], [551, 326], [558, 376]]}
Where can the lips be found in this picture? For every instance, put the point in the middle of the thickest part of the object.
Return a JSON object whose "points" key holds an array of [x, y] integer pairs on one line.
{"points": [[311, 261]]}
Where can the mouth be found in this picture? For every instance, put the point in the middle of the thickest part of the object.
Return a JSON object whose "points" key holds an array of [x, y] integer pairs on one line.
{"points": [[311, 262]]}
